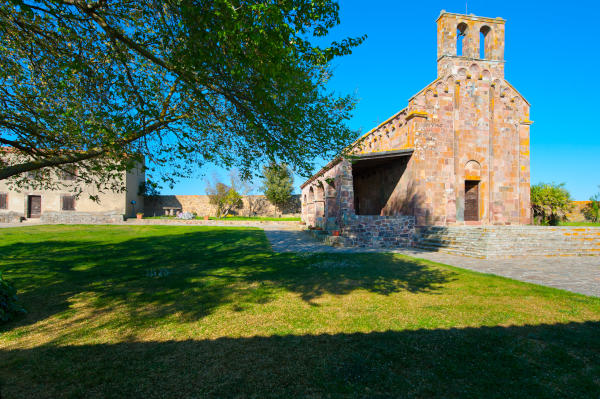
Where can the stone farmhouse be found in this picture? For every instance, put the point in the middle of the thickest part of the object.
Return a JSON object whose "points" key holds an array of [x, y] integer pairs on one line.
{"points": [[458, 154], [61, 206]]}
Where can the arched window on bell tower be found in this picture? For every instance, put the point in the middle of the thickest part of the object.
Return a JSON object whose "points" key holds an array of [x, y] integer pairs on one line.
{"points": [[461, 37], [483, 41], [461, 32]]}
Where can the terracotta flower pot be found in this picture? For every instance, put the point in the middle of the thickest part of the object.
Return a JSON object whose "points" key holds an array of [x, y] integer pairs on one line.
{"points": [[206, 218], [139, 215]]}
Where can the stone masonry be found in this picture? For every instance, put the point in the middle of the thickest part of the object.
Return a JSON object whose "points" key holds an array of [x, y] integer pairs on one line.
{"points": [[458, 154], [379, 231], [510, 241], [81, 217], [253, 205], [10, 217], [577, 213]]}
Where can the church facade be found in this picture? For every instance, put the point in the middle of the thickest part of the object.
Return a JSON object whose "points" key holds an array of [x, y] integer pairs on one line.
{"points": [[457, 154]]}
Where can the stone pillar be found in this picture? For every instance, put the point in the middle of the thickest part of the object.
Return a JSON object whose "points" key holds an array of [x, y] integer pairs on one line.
{"points": [[319, 213], [303, 207], [423, 170], [345, 191], [524, 174], [331, 206]]}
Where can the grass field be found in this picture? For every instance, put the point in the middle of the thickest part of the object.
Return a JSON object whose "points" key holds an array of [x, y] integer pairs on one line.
{"points": [[237, 218], [263, 218], [186, 312], [579, 224]]}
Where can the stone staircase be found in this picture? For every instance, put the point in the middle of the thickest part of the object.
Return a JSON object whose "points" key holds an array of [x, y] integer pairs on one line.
{"points": [[460, 240], [510, 241]]}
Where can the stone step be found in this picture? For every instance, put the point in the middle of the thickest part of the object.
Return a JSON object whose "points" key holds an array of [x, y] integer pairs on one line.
{"points": [[509, 241]]}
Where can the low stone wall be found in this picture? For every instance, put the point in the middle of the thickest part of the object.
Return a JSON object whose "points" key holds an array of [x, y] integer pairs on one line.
{"points": [[10, 217], [510, 241], [80, 218], [254, 205], [378, 231], [577, 214]]}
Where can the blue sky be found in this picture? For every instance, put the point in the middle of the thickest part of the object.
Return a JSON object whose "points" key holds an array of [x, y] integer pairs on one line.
{"points": [[552, 58]]}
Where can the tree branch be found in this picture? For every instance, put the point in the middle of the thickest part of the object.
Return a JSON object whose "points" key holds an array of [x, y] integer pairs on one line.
{"points": [[90, 10], [57, 160]]}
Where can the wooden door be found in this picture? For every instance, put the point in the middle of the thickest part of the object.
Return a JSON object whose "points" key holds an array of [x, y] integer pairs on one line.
{"points": [[471, 200], [34, 206]]}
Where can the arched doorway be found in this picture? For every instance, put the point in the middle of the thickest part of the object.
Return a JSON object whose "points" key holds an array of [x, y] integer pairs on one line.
{"points": [[472, 179]]}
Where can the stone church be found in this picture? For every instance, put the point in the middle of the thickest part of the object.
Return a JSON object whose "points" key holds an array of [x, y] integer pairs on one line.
{"points": [[458, 154]]}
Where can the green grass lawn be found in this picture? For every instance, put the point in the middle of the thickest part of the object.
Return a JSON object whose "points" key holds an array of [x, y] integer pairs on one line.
{"points": [[187, 312], [263, 218], [237, 218], [579, 224]]}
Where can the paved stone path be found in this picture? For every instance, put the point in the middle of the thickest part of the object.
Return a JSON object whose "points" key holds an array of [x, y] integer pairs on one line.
{"points": [[579, 274], [29, 222]]}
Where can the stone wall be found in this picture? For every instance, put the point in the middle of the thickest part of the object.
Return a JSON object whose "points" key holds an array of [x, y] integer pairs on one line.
{"points": [[576, 214], [510, 241], [254, 205], [81, 217], [10, 217], [379, 231]]}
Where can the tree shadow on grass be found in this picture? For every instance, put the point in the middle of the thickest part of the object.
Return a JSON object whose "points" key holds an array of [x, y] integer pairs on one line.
{"points": [[339, 274], [543, 361], [191, 272]]}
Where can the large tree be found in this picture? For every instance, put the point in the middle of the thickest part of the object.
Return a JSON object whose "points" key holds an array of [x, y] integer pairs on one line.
{"points": [[178, 82]]}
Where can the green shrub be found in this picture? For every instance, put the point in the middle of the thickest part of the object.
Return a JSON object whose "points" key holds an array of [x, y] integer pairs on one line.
{"points": [[550, 203], [224, 197], [592, 210], [9, 308]]}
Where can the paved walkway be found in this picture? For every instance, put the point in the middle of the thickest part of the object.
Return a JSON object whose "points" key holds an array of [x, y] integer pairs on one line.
{"points": [[574, 273], [28, 222]]}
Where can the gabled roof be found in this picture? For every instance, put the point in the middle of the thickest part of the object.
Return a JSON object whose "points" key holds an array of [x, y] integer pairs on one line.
{"points": [[339, 157]]}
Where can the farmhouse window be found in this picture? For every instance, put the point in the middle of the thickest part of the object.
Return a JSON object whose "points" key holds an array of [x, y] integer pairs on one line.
{"points": [[3, 201], [69, 174], [68, 203]]}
